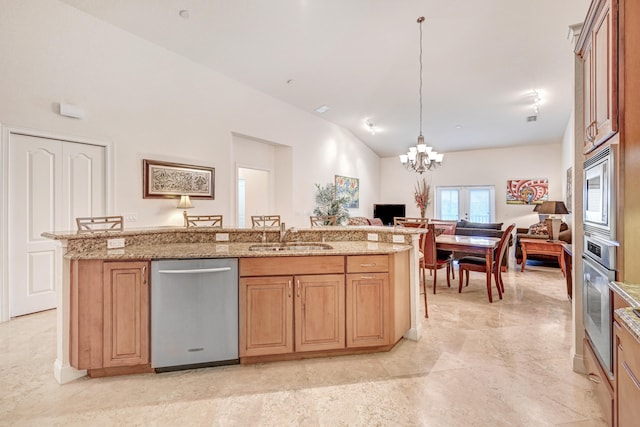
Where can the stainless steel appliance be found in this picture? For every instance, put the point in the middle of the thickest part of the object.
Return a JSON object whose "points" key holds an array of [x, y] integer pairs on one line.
{"points": [[599, 256], [599, 194], [194, 313], [597, 305]]}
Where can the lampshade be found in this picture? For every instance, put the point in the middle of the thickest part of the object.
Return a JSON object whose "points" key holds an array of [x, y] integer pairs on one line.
{"points": [[185, 202], [552, 208]]}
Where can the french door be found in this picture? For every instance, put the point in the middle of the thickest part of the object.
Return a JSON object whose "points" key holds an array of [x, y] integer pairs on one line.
{"points": [[51, 182], [472, 203]]}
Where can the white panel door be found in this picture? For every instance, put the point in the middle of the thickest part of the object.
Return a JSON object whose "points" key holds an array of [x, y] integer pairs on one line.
{"points": [[84, 182], [50, 182]]}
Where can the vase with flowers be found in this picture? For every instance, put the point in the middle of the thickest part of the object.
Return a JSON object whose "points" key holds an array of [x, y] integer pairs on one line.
{"points": [[421, 196]]}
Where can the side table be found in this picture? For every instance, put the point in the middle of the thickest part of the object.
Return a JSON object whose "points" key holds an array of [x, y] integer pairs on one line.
{"points": [[542, 247]]}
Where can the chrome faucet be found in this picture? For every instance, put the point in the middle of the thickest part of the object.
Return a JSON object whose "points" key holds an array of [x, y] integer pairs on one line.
{"points": [[284, 232]]}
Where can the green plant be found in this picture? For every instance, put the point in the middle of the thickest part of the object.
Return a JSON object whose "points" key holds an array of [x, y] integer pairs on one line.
{"points": [[328, 204]]}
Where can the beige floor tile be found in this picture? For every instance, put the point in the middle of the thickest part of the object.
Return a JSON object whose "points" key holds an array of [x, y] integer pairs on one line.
{"points": [[477, 364]]}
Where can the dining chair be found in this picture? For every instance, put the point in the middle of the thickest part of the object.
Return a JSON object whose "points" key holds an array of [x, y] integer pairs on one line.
{"points": [[404, 221], [322, 220], [265, 221], [98, 224], [203, 221], [476, 263], [430, 259]]}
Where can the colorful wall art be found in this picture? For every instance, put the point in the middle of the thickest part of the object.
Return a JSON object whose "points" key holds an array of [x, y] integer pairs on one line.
{"points": [[349, 187], [527, 191]]}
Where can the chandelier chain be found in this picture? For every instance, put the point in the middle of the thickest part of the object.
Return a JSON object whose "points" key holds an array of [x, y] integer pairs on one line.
{"points": [[421, 158], [420, 21]]}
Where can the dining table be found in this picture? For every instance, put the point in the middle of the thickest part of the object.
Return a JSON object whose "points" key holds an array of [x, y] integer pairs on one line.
{"points": [[483, 246]]}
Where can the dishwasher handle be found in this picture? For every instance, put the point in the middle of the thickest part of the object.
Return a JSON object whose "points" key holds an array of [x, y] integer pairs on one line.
{"points": [[196, 270]]}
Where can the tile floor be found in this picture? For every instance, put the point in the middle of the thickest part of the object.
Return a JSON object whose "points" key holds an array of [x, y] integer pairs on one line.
{"points": [[477, 364]]}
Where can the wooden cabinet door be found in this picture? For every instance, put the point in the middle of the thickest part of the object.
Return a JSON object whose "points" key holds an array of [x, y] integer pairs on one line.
{"points": [[319, 312], [605, 91], [600, 76], [266, 316], [125, 313], [587, 92], [368, 311], [627, 377]]}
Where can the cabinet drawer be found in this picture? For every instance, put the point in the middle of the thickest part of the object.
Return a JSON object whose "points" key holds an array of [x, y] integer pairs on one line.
{"points": [[630, 349], [599, 382], [288, 266], [618, 301], [368, 264]]}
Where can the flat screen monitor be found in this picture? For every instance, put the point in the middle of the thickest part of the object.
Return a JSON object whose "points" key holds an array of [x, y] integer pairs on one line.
{"points": [[387, 212]]}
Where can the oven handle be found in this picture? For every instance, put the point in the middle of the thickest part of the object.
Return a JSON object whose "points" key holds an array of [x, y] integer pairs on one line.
{"points": [[609, 274]]}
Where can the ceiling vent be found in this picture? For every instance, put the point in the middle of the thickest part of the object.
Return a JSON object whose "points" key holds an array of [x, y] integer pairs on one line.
{"points": [[532, 118]]}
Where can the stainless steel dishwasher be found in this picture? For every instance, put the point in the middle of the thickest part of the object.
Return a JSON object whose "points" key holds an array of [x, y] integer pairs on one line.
{"points": [[194, 313]]}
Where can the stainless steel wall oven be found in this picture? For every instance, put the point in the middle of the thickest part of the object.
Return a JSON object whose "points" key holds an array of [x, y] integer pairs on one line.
{"points": [[599, 256]]}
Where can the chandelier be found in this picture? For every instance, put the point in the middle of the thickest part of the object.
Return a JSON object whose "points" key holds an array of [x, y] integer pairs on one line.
{"points": [[421, 157]]}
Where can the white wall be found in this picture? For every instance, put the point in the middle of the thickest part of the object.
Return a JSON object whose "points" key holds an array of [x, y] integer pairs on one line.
{"points": [[481, 167], [151, 103]]}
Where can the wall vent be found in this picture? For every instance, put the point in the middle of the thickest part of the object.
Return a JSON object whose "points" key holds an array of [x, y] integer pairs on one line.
{"points": [[532, 118]]}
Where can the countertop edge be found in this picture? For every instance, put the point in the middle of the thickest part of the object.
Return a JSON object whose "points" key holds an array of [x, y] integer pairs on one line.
{"points": [[626, 314], [230, 250]]}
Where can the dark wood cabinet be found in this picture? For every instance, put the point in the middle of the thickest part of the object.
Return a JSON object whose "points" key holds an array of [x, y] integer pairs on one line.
{"points": [[598, 49]]}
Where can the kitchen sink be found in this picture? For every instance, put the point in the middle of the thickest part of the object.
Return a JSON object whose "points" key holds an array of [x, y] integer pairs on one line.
{"points": [[276, 247]]}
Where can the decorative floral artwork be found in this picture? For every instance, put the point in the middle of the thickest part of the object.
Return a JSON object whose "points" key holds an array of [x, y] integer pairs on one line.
{"points": [[163, 179], [349, 187], [527, 191]]}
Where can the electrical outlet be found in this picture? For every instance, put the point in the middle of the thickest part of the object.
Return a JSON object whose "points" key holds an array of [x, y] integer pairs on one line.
{"points": [[130, 217], [115, 243], [372, 237], [398, 238]]}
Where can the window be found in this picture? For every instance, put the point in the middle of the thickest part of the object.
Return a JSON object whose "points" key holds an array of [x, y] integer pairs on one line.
{"points": [[473, 203]]}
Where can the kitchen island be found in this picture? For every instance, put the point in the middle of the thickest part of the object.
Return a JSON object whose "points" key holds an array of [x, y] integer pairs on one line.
{"points": [[375, 267]]}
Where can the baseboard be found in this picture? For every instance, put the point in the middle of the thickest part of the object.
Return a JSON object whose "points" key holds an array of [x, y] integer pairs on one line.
{"points": [[66, 374]]}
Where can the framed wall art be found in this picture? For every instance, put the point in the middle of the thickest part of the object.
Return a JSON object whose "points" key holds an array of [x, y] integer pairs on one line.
{"points": [[349, 187], [527, 191], [171, 180]]}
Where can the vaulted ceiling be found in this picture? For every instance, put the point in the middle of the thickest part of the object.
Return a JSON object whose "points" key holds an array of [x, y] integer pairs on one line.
{"points": [[482, 60]]}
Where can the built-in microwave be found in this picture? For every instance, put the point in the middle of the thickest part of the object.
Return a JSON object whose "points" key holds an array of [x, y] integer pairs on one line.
{"points": [[599, 194]]}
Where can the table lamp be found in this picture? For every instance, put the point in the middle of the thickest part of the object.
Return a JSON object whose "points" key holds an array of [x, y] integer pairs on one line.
{"points": [[553, 224], [185, 203]]}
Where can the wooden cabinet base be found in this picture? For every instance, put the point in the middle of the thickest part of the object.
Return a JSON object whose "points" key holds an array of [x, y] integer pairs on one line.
{"points": [[600, 384], [120, 370], [313, 354]]}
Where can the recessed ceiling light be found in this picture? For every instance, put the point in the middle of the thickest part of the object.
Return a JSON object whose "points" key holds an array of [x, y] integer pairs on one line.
{"points": [[184, 13], [322, 109]]}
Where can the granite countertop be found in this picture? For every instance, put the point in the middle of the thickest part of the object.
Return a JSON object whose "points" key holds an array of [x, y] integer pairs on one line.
{"points": [[631, 294], [232, 250]]}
